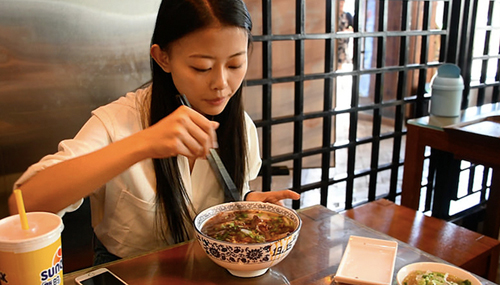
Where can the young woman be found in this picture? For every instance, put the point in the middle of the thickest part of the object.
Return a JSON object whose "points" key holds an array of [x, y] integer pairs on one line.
{"points": [[141, 158]]}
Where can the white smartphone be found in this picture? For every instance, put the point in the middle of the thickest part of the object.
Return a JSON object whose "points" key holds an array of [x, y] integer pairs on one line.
{"points": [[101, 276]]}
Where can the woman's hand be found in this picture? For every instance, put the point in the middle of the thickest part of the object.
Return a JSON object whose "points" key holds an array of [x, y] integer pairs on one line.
{"points": [[184, 132], [274, 197]]}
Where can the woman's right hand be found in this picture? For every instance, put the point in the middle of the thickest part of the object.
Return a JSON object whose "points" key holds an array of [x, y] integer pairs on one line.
{"points": [[185, 132]]}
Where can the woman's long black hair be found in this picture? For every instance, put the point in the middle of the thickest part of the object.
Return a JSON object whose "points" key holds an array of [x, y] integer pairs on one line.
{"points": [[176, 19]]}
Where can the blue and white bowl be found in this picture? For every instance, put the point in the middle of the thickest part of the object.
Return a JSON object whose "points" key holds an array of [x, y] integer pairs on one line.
{"points": [[246, 260]]}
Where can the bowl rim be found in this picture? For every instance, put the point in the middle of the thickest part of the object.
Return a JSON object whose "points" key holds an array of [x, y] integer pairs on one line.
{"points": [[261, 244], [440, 265]]}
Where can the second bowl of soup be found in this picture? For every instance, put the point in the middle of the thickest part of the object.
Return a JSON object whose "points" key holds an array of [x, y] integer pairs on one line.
{"points": [[247, 238], [434, 273]]}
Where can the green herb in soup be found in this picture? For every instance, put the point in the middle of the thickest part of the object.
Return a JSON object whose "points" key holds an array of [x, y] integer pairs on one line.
{"points": [[420, 277], [248, 226]]}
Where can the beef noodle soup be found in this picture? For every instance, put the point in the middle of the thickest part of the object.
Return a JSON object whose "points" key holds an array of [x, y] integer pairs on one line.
{"points": [[248, 226], [420, 277]]}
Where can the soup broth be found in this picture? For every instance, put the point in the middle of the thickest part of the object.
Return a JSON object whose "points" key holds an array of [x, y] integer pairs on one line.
{"points": [[420, 277], [248, 226]]}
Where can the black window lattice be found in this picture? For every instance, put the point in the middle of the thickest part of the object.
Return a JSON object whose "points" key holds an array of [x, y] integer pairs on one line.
{"points": [[411, 73]]}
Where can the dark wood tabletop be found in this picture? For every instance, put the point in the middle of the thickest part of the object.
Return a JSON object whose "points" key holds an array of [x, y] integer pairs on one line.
{"points": [[314, 259]]}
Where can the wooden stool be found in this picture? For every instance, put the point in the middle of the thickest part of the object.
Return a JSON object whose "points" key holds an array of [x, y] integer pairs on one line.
{"points": [[469, 250]]}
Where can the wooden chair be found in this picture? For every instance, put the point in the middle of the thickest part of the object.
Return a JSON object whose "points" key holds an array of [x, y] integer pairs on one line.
{"points": [[469, 250]]}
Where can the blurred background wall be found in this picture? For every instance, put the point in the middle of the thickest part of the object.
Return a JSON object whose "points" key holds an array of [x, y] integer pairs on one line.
{"points": [[59, 60]]}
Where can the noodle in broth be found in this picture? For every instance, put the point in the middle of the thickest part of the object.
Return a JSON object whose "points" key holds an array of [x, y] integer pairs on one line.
{"points": [[420, 277], [248, 226]]}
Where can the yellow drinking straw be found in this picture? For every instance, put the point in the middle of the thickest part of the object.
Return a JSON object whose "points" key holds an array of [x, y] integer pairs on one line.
{"points": [[21, 210]]}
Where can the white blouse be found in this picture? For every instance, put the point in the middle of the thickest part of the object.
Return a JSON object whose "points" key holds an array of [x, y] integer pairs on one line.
{"points": [[123, 210]]}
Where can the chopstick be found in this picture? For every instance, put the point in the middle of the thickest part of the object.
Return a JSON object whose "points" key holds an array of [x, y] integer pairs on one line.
{"points": [[230, 191]]}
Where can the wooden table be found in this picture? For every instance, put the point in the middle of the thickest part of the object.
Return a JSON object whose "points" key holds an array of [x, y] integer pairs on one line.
{"points": [[314, 259], [430, 131], [467, 249]]}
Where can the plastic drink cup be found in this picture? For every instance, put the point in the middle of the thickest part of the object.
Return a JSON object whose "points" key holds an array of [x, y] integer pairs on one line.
{"points": [[32, 256]]}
